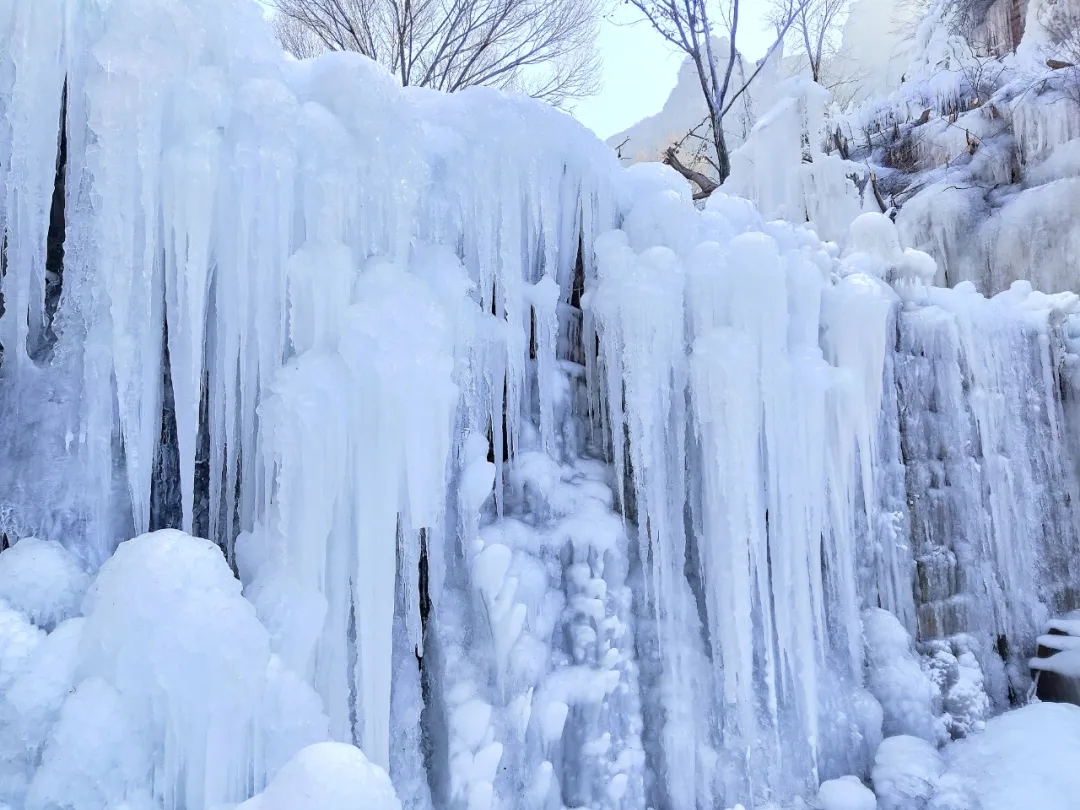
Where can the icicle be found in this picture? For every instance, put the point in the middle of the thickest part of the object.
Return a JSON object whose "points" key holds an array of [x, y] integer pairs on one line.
{"points": [[397, 344], [728, 415], [28, 149], [255, 241], [189, 190], [544, 297]]}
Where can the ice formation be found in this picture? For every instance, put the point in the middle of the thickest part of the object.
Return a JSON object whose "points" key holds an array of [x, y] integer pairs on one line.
{"points": [[327, 776], [846, 793], [906, 772], [539, 484]]}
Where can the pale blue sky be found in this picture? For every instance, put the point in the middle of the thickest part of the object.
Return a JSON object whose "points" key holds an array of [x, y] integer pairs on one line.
{"points": [[640, 67]]}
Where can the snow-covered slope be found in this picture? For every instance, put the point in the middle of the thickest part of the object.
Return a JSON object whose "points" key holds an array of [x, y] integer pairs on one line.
{"points": [[979, 154], [541, 485]]}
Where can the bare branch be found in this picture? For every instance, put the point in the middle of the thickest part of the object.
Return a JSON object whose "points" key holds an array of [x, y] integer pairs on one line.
{"points": [[687, 25], [706, 184], [544, 48]]}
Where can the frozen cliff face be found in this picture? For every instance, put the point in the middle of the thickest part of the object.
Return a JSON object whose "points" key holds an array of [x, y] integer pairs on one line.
{"points": [[541, 485], [991, 483]]}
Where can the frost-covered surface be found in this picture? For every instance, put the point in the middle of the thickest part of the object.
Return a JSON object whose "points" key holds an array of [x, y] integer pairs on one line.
{"points": [[539, 484], [978, 153]]}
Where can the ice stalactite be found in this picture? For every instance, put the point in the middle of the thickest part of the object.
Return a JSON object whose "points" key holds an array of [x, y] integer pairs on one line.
{"points": [[773, 490], [637, 304], [360, 424], [31, 83]]}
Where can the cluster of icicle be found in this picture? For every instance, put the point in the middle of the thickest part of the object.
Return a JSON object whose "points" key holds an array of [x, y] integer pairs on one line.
{"points": [[365, 300], [227, 199]]}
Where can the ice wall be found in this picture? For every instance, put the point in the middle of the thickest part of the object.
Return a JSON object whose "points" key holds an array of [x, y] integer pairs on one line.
{"points": [[991, 477], [545, 487]]}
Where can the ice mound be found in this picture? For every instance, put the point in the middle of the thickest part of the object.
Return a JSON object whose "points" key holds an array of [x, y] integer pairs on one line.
{"points": [[846, 793], [896, 679], [327, 776], [18, 638], [30, 703], [43, 580], [98, 755], [164, 695], [906, 770]]}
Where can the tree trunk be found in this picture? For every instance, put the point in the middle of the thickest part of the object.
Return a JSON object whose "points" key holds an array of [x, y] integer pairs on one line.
{"points": [[723, 159]]}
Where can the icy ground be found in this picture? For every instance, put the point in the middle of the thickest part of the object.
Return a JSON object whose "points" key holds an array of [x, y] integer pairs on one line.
{"points": [[522, 475]]}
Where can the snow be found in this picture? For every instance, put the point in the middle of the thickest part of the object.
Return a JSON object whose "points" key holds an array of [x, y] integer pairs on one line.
{"points": [[1023, 759], [1065, 663], [1068, 626], [1058, 642]]}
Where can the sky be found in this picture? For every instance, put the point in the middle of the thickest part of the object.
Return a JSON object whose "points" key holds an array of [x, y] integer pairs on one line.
{"points": [[640, 67]]}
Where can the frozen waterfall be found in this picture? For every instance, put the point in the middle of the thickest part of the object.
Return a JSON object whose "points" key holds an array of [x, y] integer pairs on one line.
{"points": [[537, 482]]}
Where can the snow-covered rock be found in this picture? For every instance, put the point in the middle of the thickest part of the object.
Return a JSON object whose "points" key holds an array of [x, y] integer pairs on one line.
{"points": [[906, 771]]}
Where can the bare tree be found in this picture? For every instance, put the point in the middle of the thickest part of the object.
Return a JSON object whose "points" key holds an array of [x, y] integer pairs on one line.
{"points": [[968, 15], [687, 24], [296, 38], [543, 48], [908, 16], [816, 27]]}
